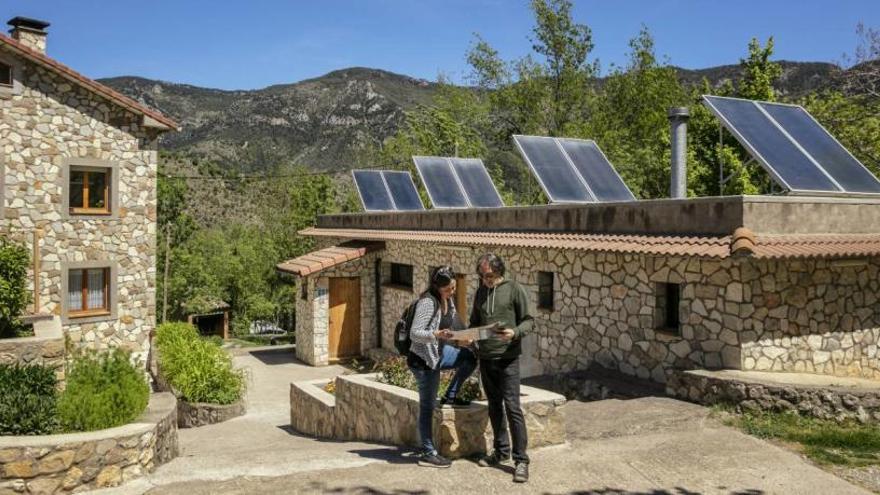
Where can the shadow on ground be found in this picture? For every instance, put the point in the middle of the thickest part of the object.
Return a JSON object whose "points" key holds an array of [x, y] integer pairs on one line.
{"points": [[282, 354], [674, 491]]}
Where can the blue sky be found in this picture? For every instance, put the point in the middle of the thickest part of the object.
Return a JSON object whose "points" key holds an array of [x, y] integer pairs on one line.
{"points": [[248, 44]]}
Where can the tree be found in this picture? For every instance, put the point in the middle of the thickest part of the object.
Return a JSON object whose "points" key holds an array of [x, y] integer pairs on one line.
{"points": [[629, 118], [759, 73], [863, 77], [14, 294]]}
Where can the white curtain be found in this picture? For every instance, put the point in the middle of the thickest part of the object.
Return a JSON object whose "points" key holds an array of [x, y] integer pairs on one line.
{"points": [[96, 288], [74, 290]]}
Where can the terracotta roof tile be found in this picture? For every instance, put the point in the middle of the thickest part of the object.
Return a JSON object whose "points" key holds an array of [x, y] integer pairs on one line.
{"points": [[713, 247], [763, 246], [328, 257], [74, 76]]}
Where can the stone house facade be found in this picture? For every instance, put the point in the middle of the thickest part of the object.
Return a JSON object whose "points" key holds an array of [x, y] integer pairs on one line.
{"points": [[646, 288], [78, 164]]}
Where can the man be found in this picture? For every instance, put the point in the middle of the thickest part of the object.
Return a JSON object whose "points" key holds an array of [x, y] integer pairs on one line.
{"points": [[502, 301]]}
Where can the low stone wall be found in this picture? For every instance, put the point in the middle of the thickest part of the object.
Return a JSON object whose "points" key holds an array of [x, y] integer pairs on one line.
{"points": [[46, 351], [364, 409], [818, 396], [193, 414], [84, 461]]}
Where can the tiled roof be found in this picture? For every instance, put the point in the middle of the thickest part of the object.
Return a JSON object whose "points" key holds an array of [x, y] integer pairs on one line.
{"points": [[743, 242], [75, 77], [328, 257]]}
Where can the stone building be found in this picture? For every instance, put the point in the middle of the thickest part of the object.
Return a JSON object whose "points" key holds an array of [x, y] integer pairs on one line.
{"points": [[78, 187], [778, 283]]}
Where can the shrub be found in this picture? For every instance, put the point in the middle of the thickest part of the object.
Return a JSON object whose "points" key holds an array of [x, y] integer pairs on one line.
{"points": [[197, 369], [103, 390], [394, 371], [28, 400], [14, 295]]}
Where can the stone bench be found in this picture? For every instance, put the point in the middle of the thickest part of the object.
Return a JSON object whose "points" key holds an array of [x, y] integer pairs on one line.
{"points": [[365, 409]]}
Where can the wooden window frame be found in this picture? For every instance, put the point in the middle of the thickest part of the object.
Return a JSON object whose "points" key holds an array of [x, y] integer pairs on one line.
{"points": [[550, 292], [84, 209], [84, 290]]}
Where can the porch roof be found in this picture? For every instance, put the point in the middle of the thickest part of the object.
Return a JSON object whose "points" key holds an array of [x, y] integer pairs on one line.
{"points": [[329, 257], [741, 242]]}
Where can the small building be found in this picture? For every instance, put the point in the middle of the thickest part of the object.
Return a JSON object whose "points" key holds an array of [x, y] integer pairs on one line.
{"points": [[775, 283], [78, 164], [209, 317]]}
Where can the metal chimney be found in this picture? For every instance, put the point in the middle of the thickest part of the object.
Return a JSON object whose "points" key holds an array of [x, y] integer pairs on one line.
{"points": [[678, 117]]}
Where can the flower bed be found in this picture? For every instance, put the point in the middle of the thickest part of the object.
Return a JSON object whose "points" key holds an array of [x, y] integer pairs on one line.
{"points": [[365, 409], [78, 461], [200, 374]]}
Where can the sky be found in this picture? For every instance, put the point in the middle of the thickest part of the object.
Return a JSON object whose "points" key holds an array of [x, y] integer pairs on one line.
{"points": [[249, 44]]}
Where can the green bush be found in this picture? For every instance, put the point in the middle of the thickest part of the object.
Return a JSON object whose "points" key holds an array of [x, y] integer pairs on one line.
{"points": [[27, 400], [197, 369], [103, 390], [394, 371], [14, 294]]}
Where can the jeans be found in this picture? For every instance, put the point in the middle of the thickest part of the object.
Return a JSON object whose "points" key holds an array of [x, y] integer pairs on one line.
{"points": [[501, 383], [464, 362]]}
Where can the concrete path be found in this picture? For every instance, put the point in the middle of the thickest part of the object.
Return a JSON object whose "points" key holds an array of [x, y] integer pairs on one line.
{"points": [[645, 446], [260, 443]]}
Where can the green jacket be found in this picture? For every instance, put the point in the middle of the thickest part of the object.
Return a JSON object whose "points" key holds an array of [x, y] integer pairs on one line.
{"points": [[508, 305]]}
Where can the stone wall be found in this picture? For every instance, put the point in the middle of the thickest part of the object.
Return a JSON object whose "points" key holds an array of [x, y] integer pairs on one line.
{"points": [[750, 394], [43, 128], [80, 461], [364, 409], [818, 316], [45, 351]]}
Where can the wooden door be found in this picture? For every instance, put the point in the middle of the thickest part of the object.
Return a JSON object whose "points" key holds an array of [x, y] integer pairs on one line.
{"points": [[461, 305], [345, 317]]}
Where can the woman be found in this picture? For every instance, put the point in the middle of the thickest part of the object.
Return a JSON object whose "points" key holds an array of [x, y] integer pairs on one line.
{"points": [[433, 323]]}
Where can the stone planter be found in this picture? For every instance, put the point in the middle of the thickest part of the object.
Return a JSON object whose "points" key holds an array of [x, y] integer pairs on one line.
{"points": [[89, 460], [192, 414], [364, 409]]}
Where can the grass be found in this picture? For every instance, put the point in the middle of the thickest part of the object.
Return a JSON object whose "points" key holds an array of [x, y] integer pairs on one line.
{"points": [[826, 442]]}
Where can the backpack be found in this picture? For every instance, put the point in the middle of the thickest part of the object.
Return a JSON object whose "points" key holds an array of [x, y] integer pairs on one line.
{"points": [[402, 340]]}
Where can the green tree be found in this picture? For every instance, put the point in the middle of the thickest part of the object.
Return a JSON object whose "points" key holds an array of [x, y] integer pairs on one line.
{"points": [[14, 294], [759, 72], [629, 119]]}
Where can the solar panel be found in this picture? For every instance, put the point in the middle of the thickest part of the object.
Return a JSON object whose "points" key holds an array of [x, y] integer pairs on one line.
{"points": [[798, 152], [596, 170], [553, 169], [441, 182], [477, 185], [372, 190], [403, 190], [849, 173]]}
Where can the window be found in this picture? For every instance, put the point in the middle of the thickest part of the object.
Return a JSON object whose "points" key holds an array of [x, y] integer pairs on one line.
{"points": [[89, 191], [666, 315], [401, 275], [545, 290], [6, 75], [304, 289], [88, 292]]}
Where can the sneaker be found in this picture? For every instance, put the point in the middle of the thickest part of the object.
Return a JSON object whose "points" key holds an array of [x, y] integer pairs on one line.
{"points": [[521, 472], [454, 402], [434, 460], [490, 460]]}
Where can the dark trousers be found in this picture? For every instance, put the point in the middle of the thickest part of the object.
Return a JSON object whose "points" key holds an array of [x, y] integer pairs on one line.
{"points": [[501, 383]]}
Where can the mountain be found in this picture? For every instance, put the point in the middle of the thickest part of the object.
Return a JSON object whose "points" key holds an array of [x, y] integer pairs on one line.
{"points": [[321, 122], [324, 122]]}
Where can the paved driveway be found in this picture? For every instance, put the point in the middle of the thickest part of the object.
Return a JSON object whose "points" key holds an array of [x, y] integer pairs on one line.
{"points": [[645, 446]]}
